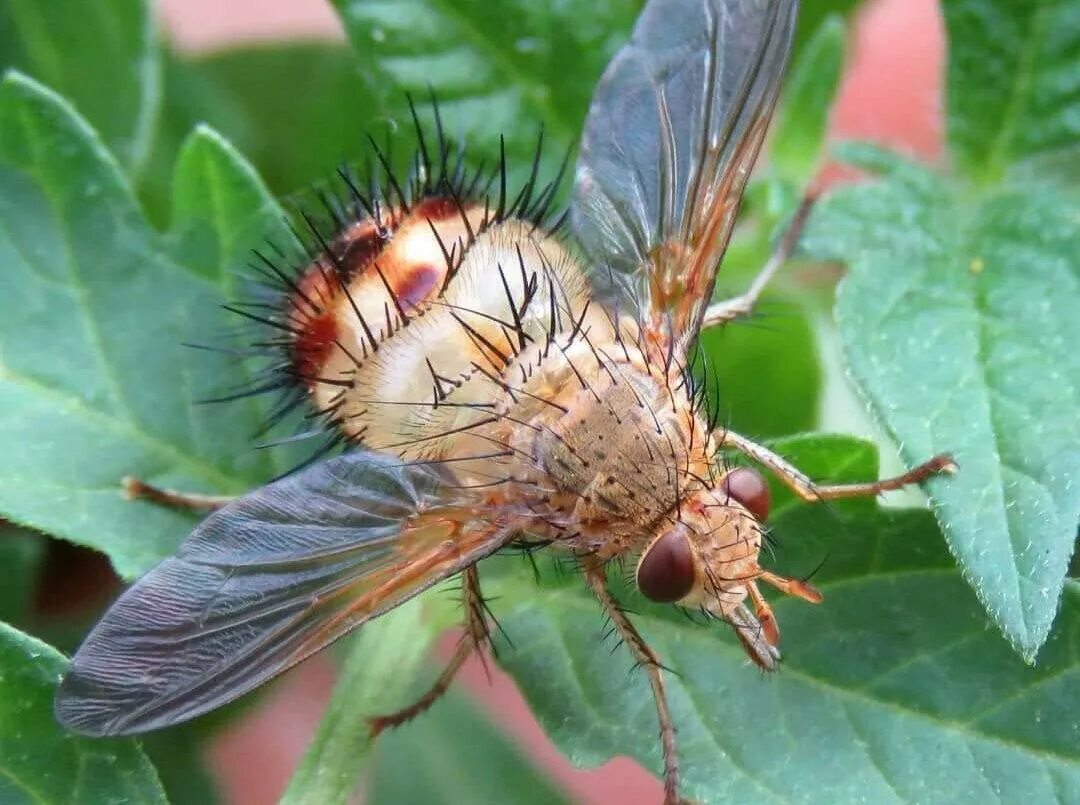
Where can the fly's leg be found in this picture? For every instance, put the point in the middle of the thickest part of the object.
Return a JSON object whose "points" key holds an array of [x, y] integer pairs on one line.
{"points": [[811, 492], [764, 614], [796, 588], [646, 657], [743, 305], [476, 634], [135, 489], [763, 611]]}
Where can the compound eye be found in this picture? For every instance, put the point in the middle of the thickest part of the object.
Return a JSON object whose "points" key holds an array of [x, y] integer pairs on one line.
{"points": [[750, 489], [666, 570]]}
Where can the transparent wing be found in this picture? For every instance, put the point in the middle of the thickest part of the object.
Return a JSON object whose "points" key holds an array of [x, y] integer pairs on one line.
{"points": [[264, 583], [672, 133]]}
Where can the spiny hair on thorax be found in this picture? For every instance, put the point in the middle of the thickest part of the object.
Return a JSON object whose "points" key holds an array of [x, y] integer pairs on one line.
{"points": [[377, 251]]}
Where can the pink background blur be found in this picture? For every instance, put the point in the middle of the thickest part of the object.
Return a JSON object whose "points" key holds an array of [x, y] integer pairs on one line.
{"points": [[891, 94]]}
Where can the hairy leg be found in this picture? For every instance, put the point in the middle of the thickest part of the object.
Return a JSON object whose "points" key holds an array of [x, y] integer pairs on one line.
{"points": [[811, 492], [597, 581], [743, 305], [793, 587], [476, 634], [135, 489], [763, 612]]}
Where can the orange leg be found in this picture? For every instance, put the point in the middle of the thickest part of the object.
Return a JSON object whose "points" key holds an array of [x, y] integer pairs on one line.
{"points": [[476, 634], [646, 657], [811, 492], [796, 587], [135, 489], [765, 616], [770, 630], [743, 305]]}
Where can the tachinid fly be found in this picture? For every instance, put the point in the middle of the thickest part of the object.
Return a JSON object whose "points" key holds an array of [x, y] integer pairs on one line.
{"points": [[497, 381]]}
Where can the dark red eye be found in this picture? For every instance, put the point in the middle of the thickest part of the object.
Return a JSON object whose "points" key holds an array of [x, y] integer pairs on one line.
{"points": [[666, 571], [748, 487]]}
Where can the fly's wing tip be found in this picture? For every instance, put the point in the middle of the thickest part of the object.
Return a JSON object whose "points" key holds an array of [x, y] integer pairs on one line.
{"points": [[94, 704], [80, 713]]}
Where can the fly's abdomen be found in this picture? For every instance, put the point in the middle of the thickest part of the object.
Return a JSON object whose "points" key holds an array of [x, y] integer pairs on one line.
{"points": [[408, 331], [423, 305], [437, 382], [368, 284]]}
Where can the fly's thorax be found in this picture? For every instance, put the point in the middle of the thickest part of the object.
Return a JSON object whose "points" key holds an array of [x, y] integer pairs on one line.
{"points": [[617, 445]]}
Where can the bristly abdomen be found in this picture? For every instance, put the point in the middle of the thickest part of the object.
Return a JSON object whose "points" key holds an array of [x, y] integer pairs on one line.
{"points": [[370, 280], [378, 253]]}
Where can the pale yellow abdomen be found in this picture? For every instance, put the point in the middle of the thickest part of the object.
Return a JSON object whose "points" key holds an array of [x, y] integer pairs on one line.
{"points": [[422, 383]]}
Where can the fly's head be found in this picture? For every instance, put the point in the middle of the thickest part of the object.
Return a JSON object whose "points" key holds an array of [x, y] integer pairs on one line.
{"points": [[708, 560]]}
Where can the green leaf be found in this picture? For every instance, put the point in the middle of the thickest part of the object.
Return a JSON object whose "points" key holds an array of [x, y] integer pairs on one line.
{"points": [[497, 68], [39, 763], [1013, 89], [383, 663], [95, 382], [103, 56], [959, 320], [21, 552], [764, 377], [455, 754], [247, 94], [813, 15], [220, 209], [802, 116], [892, 690], [177, 755], [1061, 167]]}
